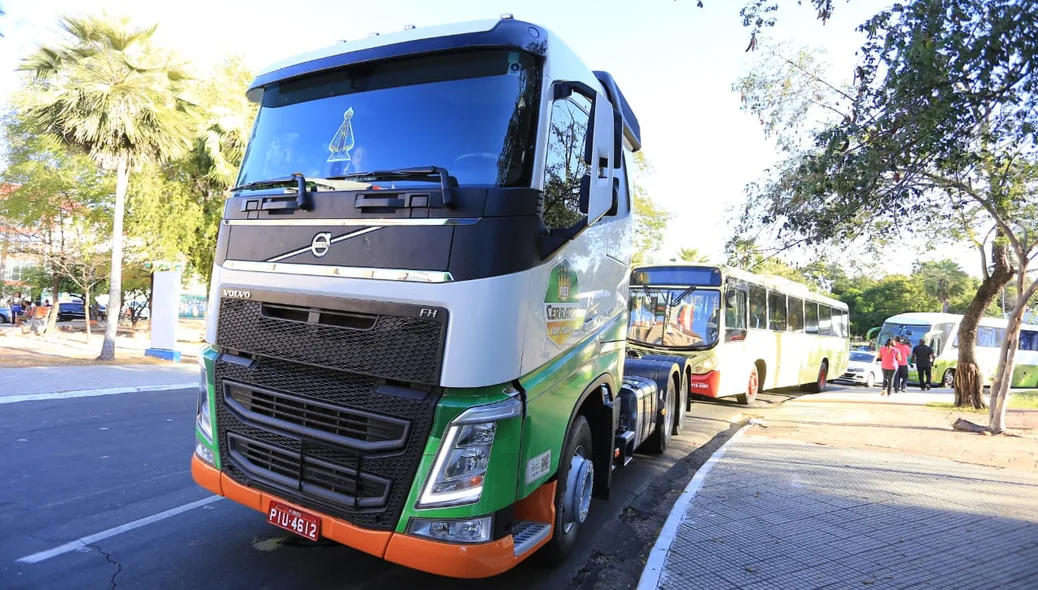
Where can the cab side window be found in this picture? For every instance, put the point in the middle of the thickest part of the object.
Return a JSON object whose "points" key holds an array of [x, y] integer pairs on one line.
{"points": [[564, 166]]}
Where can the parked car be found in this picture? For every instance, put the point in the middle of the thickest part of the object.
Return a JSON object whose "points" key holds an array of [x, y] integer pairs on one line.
{"points": [[862, 369], [71, 310], [6, 316]]}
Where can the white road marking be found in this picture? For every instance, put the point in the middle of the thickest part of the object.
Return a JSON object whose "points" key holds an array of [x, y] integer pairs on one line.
{"points": [[84, 541], [33, 397], [650, 579]]}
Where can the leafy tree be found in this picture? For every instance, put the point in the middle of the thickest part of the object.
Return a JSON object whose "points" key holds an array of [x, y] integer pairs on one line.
{"points": [[942, 121], [54, 189], [112, 95], [650, 220], [692, 255], [942, 279]]}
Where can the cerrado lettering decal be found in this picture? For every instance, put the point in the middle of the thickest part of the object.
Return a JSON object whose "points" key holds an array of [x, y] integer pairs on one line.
{"points": [[562, 311]]}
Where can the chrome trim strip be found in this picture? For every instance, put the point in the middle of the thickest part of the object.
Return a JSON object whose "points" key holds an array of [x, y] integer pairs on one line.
{"points": [[352, 222], [350, 272], [335, 240]]}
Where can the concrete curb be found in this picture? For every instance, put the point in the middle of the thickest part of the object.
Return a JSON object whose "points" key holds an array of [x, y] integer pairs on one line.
{"points": [[34, 397], [650, 579]]}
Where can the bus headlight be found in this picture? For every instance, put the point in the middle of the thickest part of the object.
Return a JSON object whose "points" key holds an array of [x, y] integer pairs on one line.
{"points": [[705, 366], [461, 464]]}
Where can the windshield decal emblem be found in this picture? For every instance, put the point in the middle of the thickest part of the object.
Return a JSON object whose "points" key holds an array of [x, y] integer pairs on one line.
{"points": [[342, 141], [320, 244], [562, 310]]}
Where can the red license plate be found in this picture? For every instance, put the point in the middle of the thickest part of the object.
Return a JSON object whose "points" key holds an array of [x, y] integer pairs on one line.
{"points": [[301, 523]]}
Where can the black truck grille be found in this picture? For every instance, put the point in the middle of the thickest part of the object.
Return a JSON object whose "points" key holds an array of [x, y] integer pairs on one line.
{"points": [[324, 421], [344, 444], [323, 479], [390, 341]]}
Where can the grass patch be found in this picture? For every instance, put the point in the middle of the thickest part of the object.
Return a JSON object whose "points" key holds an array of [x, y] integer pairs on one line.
{"points": [[1024, 399]]}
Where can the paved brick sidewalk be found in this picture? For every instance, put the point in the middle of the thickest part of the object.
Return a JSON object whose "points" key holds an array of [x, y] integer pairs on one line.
{"points": [[791, 515]]}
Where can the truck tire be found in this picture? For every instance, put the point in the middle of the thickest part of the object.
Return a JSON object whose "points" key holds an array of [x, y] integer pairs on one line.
{"points": [[575, 480], [752, 387], [659, 440], [948, 380]]}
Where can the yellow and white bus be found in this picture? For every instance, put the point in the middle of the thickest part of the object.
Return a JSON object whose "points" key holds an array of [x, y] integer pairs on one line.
{"points": [[741, 333]]}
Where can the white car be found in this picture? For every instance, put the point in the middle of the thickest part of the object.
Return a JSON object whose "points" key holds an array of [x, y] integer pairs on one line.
{"points": [[863, 369]]}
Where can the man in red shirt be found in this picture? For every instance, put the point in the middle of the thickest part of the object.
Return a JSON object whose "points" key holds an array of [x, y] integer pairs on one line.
{"points": [[901, 381]]}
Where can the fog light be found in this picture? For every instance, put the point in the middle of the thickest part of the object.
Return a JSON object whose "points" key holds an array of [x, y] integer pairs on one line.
{"points": [[476, 530], [204, 453]]}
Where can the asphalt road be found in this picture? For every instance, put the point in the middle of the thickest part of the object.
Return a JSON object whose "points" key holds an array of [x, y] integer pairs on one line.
{"points": [[78, 468]]}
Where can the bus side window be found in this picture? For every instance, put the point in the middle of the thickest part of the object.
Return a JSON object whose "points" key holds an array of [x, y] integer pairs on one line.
{"points": [[825, 324], [776, 311], [758, 307], [796, 315], [810, 317], [735, 315]]}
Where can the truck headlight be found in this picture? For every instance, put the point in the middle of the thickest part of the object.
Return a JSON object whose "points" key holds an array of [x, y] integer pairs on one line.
{"points": [[461, 464], [475, 530], [203, 418]]}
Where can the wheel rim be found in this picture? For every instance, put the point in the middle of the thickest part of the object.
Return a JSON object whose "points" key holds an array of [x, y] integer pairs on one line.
{"points": [[577, 501], [949, 378], [753, 385], [668, 419], [822, 374]]}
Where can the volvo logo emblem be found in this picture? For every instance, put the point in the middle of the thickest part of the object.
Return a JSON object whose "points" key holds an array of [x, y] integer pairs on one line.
{"points": [[320, 244]]}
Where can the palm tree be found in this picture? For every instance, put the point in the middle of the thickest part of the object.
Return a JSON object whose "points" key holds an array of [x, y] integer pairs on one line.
{"points": [[943, 280], [111, 94], [692, 255]]}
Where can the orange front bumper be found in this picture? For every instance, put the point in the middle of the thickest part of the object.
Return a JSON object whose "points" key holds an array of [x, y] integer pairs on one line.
{"points": [[445, 559]]}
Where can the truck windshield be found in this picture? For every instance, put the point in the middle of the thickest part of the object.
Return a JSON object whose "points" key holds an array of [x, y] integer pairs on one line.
{"points": [[659, 318], [473, 113]]}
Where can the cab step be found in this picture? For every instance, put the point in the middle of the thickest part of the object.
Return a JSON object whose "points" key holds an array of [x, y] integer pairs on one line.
{"points": [[527, 534]]}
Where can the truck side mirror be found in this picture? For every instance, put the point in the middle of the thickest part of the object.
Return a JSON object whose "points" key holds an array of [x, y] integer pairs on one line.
{"points": [[597, 191]]}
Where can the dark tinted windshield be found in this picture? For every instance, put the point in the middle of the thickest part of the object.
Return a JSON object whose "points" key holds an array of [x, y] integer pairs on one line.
{"points": [[658, 318], [473, 113], [863, 357], [913, 332]]}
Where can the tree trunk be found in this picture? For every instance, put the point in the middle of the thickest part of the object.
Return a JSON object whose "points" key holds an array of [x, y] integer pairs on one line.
{"points": [[969, 383], [944, 306], [86, 312], [1007, 352], [3, 262], [115, 283], [52, 319]]}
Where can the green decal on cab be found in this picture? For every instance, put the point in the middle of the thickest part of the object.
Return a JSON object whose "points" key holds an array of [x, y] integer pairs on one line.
{"points": [[562, 313]]}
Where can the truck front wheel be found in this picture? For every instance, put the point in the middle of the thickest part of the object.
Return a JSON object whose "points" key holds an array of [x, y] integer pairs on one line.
{"points": [[575, 480], [659, 440]]}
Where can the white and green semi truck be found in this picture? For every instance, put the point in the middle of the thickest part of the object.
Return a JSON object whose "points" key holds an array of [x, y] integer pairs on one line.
{"points": [[417, 319]]}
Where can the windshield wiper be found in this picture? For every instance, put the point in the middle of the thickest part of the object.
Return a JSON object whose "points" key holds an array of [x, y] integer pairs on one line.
{"points": [[421, 173], [674, 302], [297, 180]]}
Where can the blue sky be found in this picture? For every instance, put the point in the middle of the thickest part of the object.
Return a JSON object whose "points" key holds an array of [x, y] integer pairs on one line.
{"points": [[675, 63]]}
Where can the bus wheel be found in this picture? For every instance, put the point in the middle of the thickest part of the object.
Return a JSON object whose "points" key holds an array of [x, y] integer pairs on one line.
{"points": [[752, 387], [659, 440], [949, 378], [575, 479], [823, 379]]}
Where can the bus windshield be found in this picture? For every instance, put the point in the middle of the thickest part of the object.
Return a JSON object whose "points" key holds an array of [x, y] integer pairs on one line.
{"points": [[663, 317], [913, 332]]}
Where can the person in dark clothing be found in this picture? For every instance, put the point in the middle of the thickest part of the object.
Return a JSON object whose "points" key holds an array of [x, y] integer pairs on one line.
{"points": [[923, 357]]}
